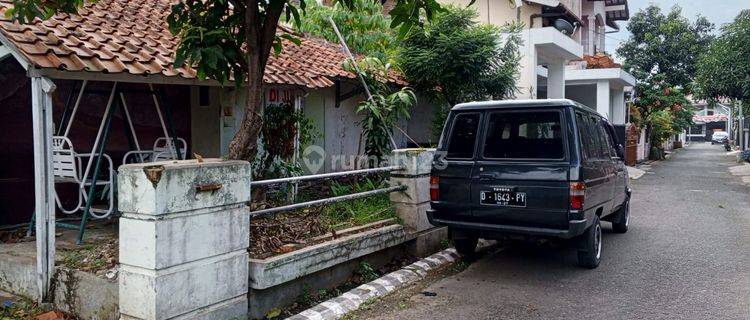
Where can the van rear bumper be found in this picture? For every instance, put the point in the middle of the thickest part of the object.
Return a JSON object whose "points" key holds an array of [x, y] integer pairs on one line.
{"points": [[575, 227]]}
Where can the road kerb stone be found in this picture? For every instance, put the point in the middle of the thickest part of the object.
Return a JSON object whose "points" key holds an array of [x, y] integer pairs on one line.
{"points": [[350, 301]]}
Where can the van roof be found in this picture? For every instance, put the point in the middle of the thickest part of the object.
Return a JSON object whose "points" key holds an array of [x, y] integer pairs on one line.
{"points": [[535, 103]]}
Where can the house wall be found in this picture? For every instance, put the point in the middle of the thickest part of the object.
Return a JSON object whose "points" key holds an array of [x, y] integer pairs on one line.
{"points": [[205, 122], [499, 12], [420, 124]]}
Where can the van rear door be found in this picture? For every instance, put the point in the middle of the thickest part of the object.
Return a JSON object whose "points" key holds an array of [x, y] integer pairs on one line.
{"points": [[454, 164], [521, 176]]}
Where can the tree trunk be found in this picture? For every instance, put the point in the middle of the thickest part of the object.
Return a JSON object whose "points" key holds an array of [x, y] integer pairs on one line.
{"points": [[244, 145], [259, 35]]}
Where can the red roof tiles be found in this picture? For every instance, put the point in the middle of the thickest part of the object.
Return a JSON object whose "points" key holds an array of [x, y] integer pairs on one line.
{"points": [[132, 36]]}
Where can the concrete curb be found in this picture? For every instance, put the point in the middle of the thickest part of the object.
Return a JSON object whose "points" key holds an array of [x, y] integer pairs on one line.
{"points": [[338, 307]]}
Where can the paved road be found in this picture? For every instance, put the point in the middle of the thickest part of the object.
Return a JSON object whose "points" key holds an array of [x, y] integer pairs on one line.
{"points": [[686, 256]]}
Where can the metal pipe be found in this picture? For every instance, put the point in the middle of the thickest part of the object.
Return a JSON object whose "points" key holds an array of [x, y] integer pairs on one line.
{"points": [[161, 120], [130, 123], [302, 205], [99, 154], [359, 73], [324, 176], [98, 134], [64, 116], [75, 108]]}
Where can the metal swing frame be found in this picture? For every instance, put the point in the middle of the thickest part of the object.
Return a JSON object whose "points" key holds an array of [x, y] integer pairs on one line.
{"points": [[70, 169]]}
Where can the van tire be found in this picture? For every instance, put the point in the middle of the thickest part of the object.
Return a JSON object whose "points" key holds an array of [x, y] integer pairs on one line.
{"points": [[590, 252], [466, 247], [623, 218]]}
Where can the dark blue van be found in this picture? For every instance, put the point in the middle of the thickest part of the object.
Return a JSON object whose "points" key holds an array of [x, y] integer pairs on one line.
{"points": [[529, 168]]}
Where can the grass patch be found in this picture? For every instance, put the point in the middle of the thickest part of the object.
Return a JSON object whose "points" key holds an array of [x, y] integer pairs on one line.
{"points": [[358, 212]]}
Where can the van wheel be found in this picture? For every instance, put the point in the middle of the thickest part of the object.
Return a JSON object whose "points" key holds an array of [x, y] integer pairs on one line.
{"points": [[623, 219], [466, 247], [591, 246]]}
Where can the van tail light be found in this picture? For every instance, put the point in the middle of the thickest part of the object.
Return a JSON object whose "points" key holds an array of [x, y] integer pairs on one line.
{"points": [[577, 195], [434, 188]]}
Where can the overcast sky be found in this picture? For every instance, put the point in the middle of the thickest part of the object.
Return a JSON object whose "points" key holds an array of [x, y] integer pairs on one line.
{"points": [[717, 11]]}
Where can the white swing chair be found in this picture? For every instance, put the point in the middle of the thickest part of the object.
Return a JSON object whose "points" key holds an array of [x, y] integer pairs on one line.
{"points": [[67, 166], [164, 148]]}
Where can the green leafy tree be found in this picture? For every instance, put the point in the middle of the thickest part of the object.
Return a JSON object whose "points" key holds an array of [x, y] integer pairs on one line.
{"points": [[365, 28], [232, 40], [724, 70], [384, 110], [656, 99], [665, 44], [454, 59], [662, 54]]}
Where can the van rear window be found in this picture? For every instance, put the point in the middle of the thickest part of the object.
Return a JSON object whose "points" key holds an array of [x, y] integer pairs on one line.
{"points": [[524, 135], [463, 136]]}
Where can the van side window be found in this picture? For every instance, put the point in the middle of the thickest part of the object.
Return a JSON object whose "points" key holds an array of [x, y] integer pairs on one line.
{"points": [[596, 135], [587, 142], [463, 136], [607, 138]]}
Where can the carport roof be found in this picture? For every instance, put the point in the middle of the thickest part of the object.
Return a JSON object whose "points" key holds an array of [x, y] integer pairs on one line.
{"points": [[131, 38]]}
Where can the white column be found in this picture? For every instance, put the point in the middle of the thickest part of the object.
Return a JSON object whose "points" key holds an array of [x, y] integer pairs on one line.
{"points": [[618, 106], [602, 98], [184, 235], [592, 35], [556, 80], [602, 31], [44, 188], [412, 204], [527, 80]]}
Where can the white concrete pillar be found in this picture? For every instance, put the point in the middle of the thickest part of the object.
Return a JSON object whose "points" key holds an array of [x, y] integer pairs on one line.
{"points": [[602, 98], [527, 80], [618, 106], [411, 205], [184, 234], [556, 80], [592, 35], [602, 31]]}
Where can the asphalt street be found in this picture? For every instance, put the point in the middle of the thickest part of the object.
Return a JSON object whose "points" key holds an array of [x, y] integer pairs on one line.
{"points": [[686, 256]]}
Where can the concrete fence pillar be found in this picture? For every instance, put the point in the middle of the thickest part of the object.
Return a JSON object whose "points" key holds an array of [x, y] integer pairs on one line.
{"points": [[184, 235], [411, 205]]}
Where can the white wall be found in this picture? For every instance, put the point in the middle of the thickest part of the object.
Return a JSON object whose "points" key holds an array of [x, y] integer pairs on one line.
{"points": [[205, 124], [420, 125]]}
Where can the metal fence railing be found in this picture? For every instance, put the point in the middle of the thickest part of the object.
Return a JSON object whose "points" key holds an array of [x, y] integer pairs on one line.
{"points": [[325, 201]]}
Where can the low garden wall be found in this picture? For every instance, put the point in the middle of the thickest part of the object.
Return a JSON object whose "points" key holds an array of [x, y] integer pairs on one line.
{"points": [[184, 238]]}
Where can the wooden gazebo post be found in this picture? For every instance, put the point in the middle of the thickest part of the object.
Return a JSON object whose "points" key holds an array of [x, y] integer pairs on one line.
{"points": [[44, 188]]}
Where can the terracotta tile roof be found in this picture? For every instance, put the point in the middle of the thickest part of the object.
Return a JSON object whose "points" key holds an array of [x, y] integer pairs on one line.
{"points": [[131, 36]]}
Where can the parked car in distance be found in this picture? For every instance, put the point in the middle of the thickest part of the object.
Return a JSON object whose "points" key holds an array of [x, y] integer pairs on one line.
{"points": [[719, 137], [529, 169]]}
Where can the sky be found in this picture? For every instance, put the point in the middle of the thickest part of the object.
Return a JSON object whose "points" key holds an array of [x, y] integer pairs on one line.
{"points": [[717, 11]]}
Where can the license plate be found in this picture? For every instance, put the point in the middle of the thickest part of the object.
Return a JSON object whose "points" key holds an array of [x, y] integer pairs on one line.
{"points": [[502, 197]]}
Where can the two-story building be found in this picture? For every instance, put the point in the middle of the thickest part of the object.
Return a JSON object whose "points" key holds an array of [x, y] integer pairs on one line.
{"points": [[560, 36], [707, 119]]}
